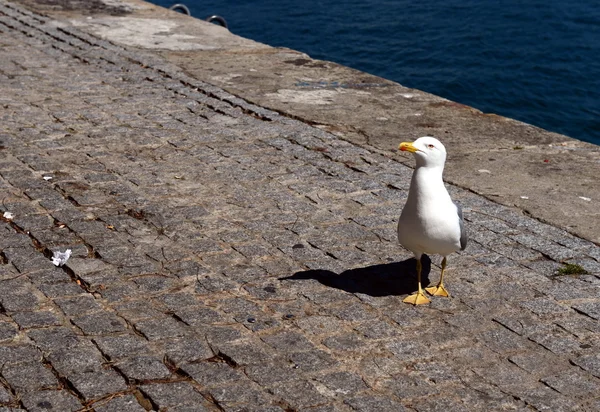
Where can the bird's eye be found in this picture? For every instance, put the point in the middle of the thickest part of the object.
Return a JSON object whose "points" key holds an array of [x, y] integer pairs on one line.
{"points": [[430, 146]]}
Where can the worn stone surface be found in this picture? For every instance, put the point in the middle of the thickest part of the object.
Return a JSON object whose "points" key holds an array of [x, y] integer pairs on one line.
{"points": [[228, 257], [51, 401]]}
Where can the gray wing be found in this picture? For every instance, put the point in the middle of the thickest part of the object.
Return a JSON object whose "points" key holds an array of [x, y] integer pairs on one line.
{"points": [[463, 230]]}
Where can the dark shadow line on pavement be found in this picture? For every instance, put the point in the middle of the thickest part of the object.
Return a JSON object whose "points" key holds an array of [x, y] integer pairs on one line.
{"points": [[388, 279]]}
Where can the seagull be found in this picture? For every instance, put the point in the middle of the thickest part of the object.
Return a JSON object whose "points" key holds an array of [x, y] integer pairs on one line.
{"points": [[430, 222]]}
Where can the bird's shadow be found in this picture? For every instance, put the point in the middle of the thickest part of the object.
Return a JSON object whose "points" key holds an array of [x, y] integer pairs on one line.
{"points": [[388, 279]]}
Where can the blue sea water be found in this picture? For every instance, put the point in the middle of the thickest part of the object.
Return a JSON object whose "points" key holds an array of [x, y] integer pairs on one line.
{"points": [[537, 61]]}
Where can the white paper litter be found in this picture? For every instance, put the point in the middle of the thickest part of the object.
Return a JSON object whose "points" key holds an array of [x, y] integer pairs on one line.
{"points": [[47, 177], [587, 199], [8, 215], [524, 197], [60, 258]]}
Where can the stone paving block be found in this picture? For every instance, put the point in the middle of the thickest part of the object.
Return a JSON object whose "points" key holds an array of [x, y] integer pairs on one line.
{"points": [[380, 366], [194, 408], [441, 404], [326, 262], [125, 403], [173, 394], [77, 305], [353, 312], [569, 289], [185, 268], [160, 328], [241, 393], [20, 300], [299, 394], [548, 248], [504, 341], [243, 272], [211, 373], [259, 322], [592, 252], [490, 399], [507, 377], [138, 309], [50, 400], [540, 365], [83, 266], [121, 346], [479, 394], [409, 350], [288, 341], [368, 402], [57, 290], [50, 275], [339, 407], [469, 321], [151, 284], [590, 278], [187, 349], [269, 291], [495, 260], [8, 331], [119, 292], [81, 358], [581, 327], [94, 385], [29, 376], [199, 315], [177, 301], [471, 354], [5, 396], [408, 386], [248, 352], [544, 267], [99, 323], [322, 296], [591, 309], [438, 372], [48, 339], [343, 383], [19, 354], [557, 341], [139, 368], [218, 335], [314, 360], [574, 385], [210, 284], [238, 306], [31, 262], [544, 398], [268, 373], [589, 363], [319, 325]]}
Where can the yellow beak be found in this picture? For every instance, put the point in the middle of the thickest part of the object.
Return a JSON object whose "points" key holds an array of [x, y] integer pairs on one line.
{"points": [[408, 147]]}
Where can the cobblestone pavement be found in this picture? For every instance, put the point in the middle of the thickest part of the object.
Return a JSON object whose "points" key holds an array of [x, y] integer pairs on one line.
{"points": [[227, 258]]}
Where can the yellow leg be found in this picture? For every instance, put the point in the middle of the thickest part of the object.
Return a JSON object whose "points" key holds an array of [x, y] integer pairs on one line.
{"points": [[417, 298], [439, 290]]}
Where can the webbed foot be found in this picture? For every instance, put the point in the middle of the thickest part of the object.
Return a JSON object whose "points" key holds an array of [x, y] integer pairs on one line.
{"points": [[417, 298], [438, 290]]}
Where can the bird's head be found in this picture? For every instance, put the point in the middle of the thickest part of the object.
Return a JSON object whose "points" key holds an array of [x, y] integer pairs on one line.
{"points": [[428, 151]]}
